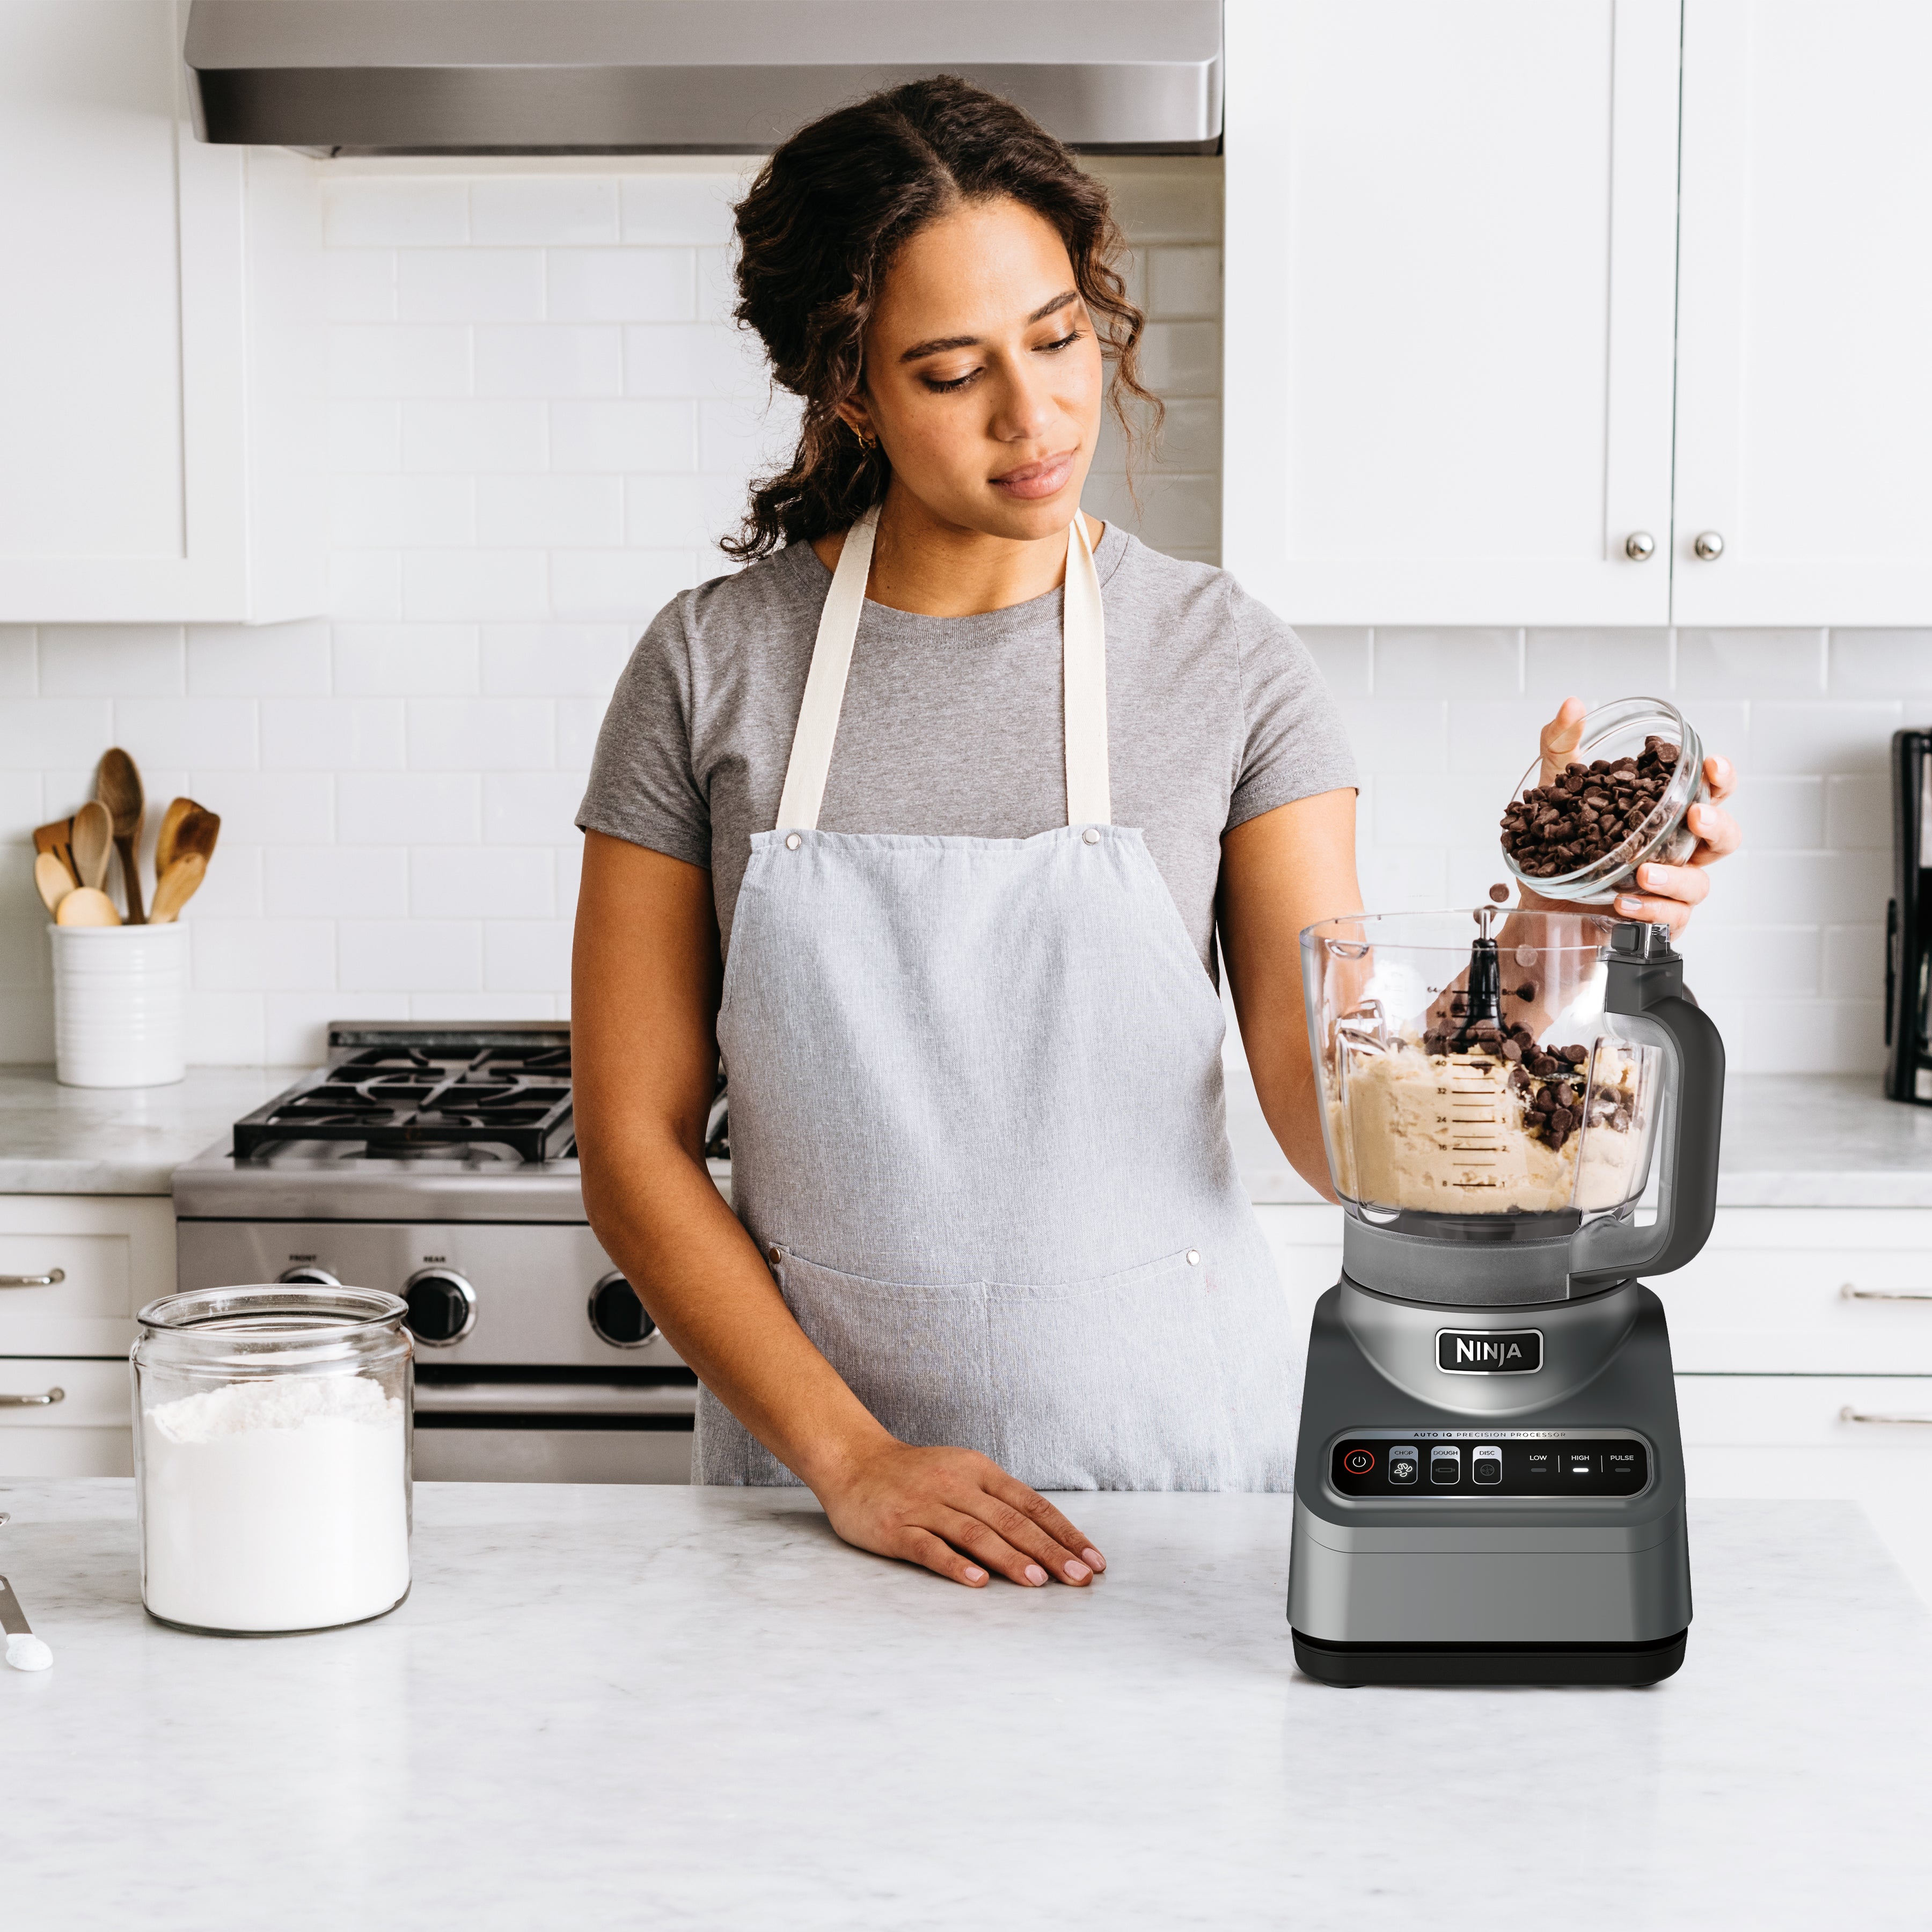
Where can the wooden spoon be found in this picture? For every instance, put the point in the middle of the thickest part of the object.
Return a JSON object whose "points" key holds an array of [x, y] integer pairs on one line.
{"points": [[199, 829], [164, 839], [93, 843], [87, 905], [53, 881], [176, 887], [117, 786]]}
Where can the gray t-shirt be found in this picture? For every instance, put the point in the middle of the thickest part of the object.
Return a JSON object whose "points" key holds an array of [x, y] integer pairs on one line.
{"points": [[952, 726]]}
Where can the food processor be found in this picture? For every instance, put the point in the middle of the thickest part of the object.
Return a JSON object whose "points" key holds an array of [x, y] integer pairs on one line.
{"points": [[1490, 1483]]}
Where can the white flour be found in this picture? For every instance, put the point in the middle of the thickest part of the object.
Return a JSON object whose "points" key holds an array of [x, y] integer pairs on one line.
{"points": [[274, 1505]]}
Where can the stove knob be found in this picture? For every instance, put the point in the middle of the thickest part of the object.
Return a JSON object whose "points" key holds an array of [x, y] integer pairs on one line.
{"points": [[309, 1277], [442, 1306], [617, 1315]]}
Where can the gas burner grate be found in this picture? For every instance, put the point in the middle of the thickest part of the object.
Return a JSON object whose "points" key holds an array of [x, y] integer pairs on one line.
{"points": [[411, 1101]]}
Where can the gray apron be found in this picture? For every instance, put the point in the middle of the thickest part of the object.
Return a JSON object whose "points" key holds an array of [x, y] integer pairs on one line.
{"points": [[978, 1131]]}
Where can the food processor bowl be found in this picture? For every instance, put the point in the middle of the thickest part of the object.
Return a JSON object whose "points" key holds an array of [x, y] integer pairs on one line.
{"points": [[1474, 1088]]}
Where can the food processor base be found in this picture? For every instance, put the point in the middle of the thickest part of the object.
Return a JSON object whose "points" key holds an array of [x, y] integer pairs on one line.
{"points": [[1351, 1666]]}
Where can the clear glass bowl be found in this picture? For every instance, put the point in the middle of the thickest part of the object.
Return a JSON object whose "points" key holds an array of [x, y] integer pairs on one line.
{"points": [[1461, 1142], [272, 1447], [1611, 732]]}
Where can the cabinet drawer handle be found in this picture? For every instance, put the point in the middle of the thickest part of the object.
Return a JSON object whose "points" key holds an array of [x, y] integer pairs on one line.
{"points": [[1851, 1294], [1850, 1414], [51, 1396], [52, 1279]]}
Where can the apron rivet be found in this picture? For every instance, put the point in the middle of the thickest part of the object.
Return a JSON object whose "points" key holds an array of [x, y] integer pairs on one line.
{"points": [[1194, 1258], [1091, 836], [773, 1255], [793, 841]]}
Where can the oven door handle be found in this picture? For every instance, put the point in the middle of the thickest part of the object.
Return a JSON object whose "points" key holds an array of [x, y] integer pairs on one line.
{"points": [[485, 1399]]}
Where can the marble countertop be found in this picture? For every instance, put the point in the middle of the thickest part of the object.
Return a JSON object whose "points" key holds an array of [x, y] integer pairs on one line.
{"points": [[118, 1140], [1790, 1140], [606, 1707]]}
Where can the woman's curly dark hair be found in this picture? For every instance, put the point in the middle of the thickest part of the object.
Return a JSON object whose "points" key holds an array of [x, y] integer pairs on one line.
{"points": [[818, 231]]}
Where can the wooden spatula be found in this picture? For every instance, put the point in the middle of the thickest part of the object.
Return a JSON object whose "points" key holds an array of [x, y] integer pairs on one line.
{"points": [[58, 838], [177, 885], [52, 880]]}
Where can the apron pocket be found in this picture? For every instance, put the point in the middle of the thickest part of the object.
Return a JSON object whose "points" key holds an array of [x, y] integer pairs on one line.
{"points": [[915, 1356], [1116, 1383]]}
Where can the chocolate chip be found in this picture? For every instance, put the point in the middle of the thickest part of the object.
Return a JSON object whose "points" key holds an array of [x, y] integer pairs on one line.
{"points": [[1510, 1051], [1499, 893]]}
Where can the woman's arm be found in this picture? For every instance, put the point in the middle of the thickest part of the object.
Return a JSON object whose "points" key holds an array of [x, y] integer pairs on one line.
{"points": [[1280, 872], [645, 983]]}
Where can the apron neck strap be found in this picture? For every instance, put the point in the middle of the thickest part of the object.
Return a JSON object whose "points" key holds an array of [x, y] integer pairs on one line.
{"points": [[1083, 672]]}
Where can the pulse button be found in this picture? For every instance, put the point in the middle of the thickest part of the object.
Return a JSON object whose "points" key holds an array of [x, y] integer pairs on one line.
{"points": [[1402, 1465], [1445, 1465]]}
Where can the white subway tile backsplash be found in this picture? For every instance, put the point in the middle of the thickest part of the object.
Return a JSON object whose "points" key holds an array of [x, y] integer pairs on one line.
{"points": [[1858, 812], [1883, 664], [550, 512], [526, 955], [550, 359], [408, 808], [359, 284], [448, 585], [341, 734], [543, 209], [365, 511], [1750, 664], [622, 285], [670, 210], [573, 660], [540, 417], [1411, 664], [620, 584], [393, 211], [335, 882], [258, 660], [410, 955], [398, 359], [363, 438], [112, 661], [399, 660], [482, 882], [212, 733], [1820, 736], [469, 285], [617, 436], [480, 734], [475, 435], [19, 660]]}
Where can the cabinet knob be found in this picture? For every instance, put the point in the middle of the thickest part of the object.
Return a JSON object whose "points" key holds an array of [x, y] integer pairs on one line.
{"points": [[1639, 545], [1708, 545]]}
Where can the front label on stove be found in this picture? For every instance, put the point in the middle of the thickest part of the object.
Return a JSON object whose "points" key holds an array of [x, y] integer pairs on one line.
{"points": [[1488, 1351]]}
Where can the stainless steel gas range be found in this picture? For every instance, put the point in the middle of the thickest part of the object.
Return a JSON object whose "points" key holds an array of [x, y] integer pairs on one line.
{"points": [[439, 1162]]}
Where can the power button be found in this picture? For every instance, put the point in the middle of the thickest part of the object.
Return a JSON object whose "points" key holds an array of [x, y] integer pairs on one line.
{"points": [[1359, 1461]]}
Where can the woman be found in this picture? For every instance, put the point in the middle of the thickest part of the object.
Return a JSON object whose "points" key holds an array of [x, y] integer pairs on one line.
{"points": [[965, 843]]}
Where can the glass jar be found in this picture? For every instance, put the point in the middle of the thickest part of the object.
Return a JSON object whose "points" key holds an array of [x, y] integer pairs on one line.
{"points": [[1612, 732], [271, 1449]]}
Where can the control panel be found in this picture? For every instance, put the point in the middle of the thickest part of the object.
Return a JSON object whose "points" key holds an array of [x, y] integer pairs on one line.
{"points": [[1499, 1464]]}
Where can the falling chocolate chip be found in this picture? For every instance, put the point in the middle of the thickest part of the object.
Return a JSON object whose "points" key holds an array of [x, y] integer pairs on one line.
{"points": [[1526, 992], [1499, 893]]}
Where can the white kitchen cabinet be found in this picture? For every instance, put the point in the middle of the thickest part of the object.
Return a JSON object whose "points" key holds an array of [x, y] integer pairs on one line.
{"points": [[1804, 388], [1451, 243], [160, 415], [74, 1268]]}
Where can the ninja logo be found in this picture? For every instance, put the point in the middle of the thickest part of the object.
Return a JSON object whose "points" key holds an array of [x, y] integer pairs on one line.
{"points": [[1488, 1351]]}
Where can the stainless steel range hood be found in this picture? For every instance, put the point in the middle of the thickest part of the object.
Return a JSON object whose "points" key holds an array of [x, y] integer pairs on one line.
{"points": [[685, 77]]}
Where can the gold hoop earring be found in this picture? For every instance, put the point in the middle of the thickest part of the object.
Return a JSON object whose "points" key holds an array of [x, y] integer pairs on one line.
{"points": [[865, 441]]}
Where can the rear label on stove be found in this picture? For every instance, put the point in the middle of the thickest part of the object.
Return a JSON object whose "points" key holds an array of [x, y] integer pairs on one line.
{"points": [[1488, 1351]]}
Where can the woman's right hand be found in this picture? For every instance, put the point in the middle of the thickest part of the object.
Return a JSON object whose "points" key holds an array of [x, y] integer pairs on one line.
{"points": [[957, 1512]]}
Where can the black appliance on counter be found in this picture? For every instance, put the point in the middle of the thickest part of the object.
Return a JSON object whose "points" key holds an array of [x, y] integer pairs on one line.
{"points": [[1908, 926]]}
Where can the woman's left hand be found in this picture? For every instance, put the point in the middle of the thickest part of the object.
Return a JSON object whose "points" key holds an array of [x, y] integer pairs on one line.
{"points": [[1665, 894]]}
